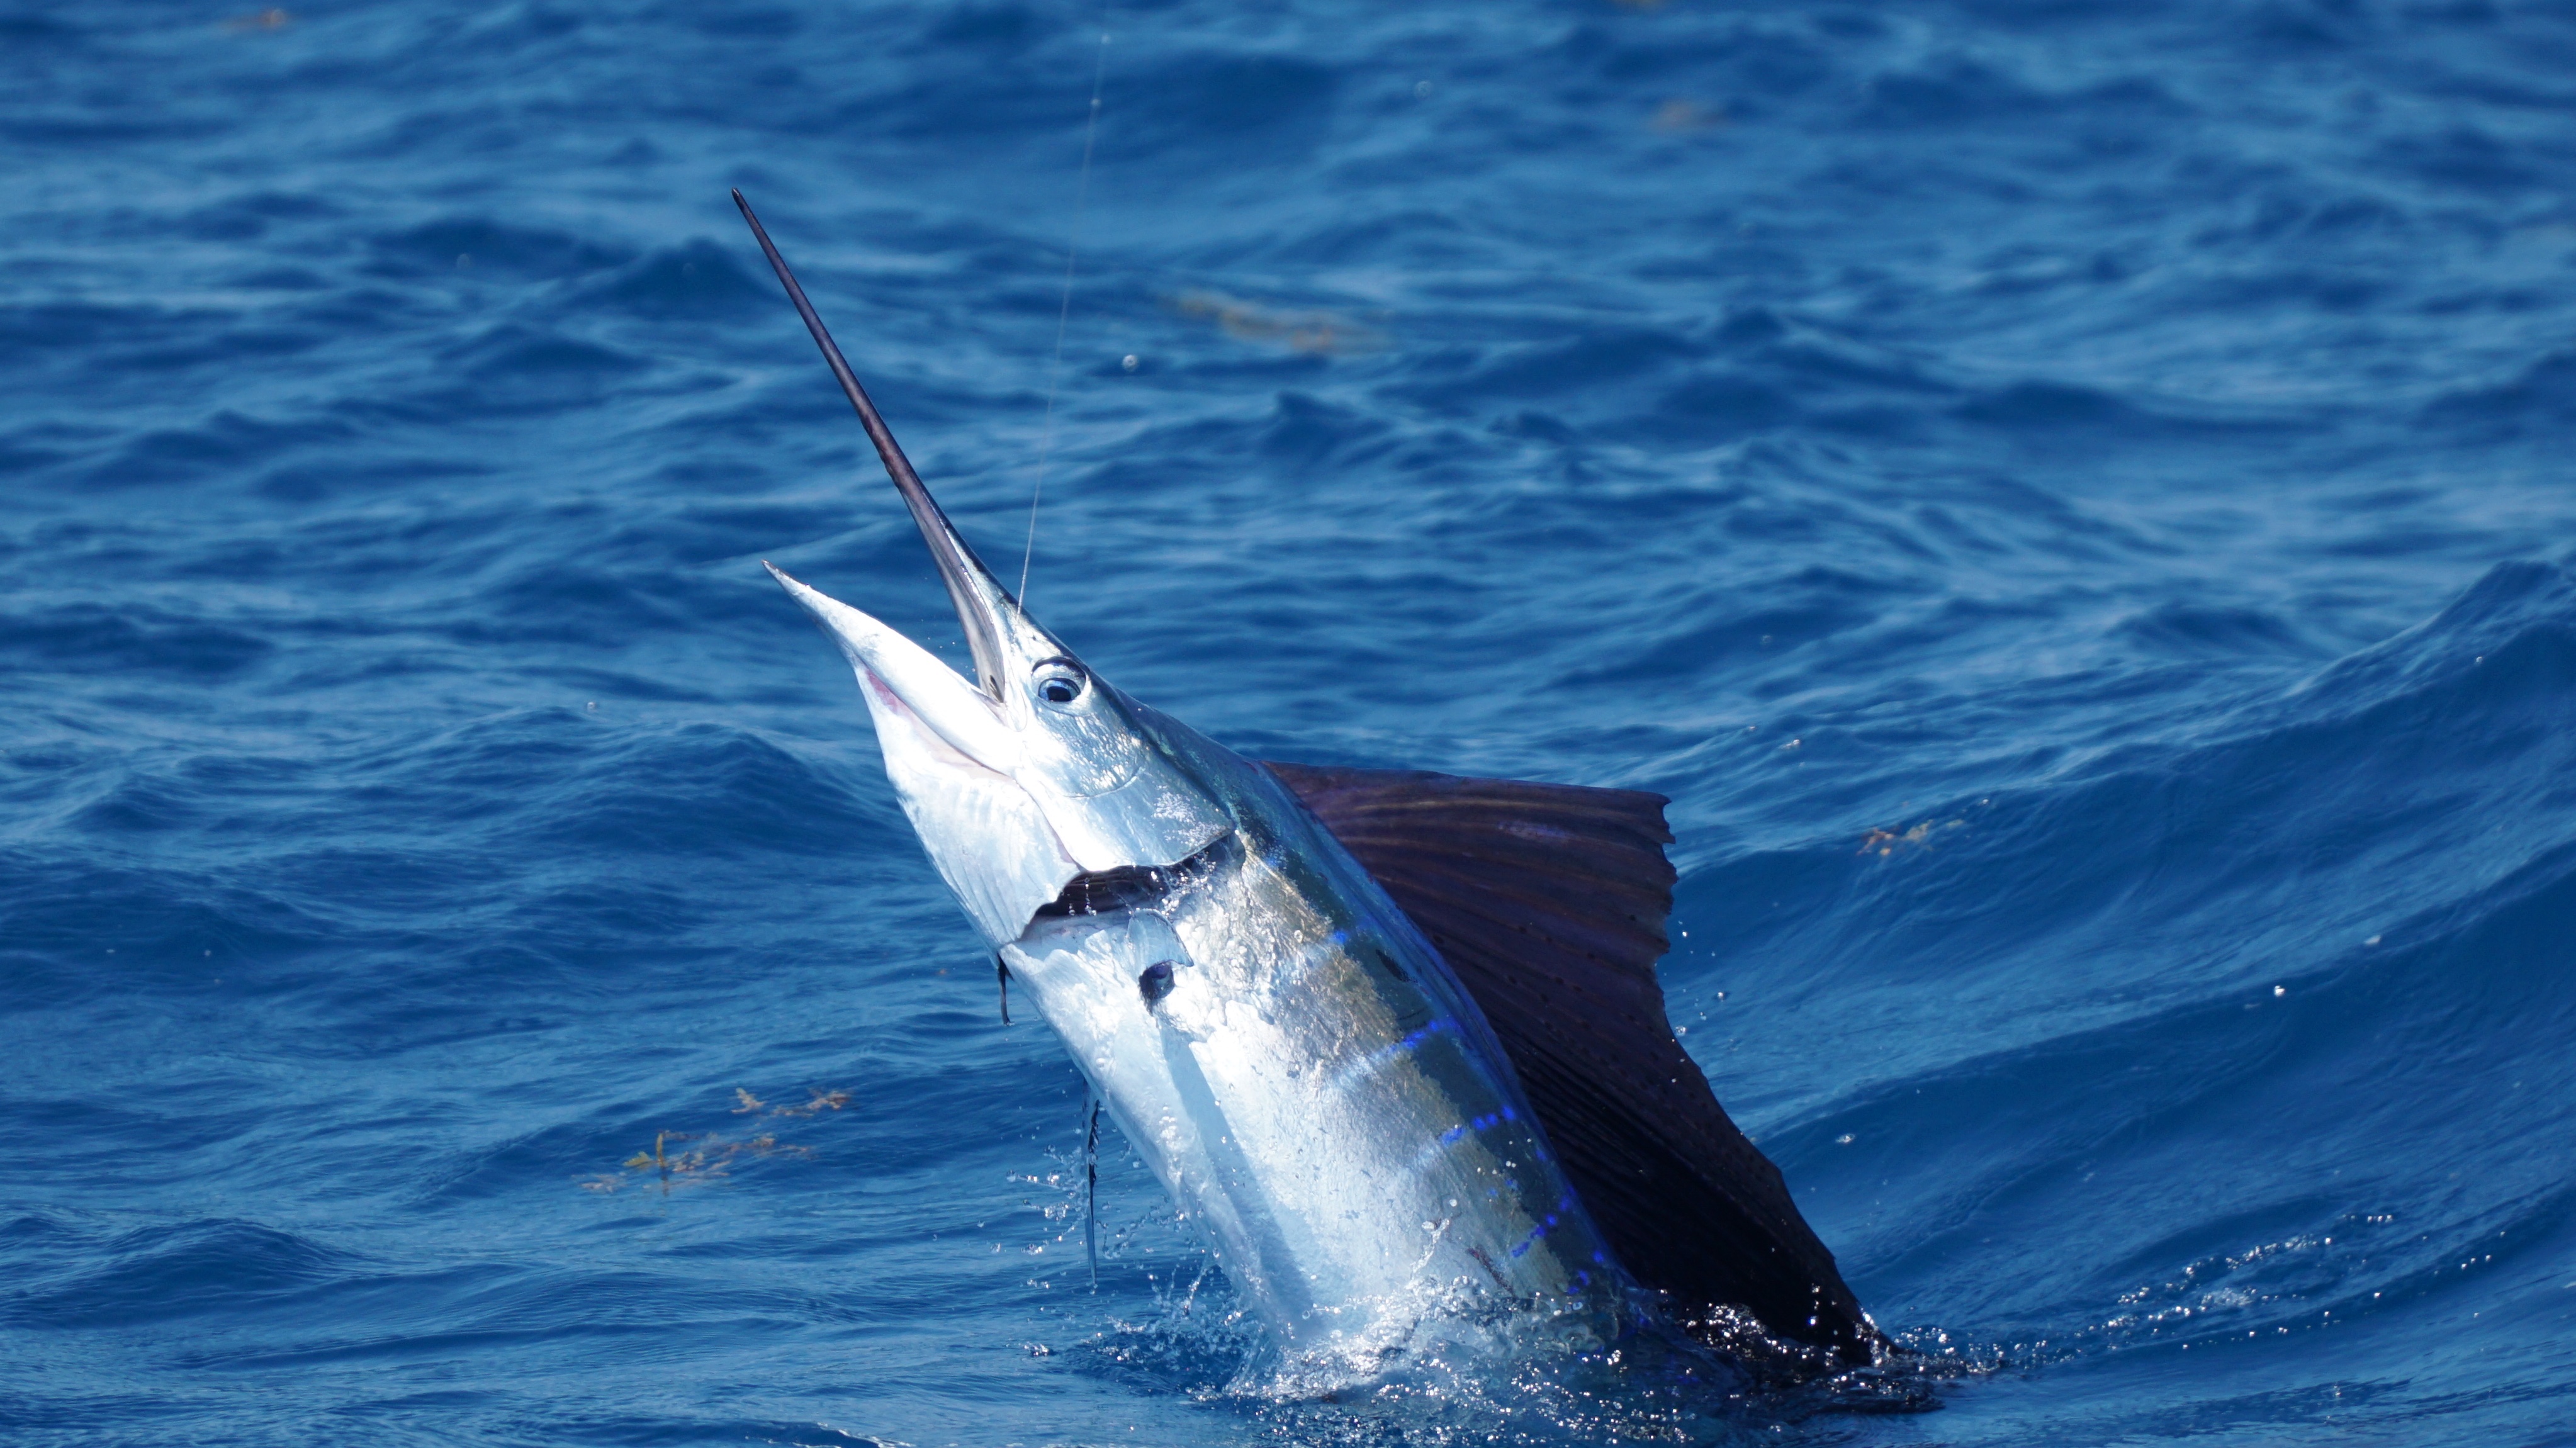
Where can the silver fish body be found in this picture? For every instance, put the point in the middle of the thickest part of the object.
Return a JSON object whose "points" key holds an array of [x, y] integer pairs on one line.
{"points": [[1312, 1084], [1294, 1062]]}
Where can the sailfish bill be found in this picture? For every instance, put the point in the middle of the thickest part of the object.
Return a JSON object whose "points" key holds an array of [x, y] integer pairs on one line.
{"points": [[1392, 1039]]}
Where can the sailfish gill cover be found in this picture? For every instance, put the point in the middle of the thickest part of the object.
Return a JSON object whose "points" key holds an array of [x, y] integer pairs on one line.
{"points": [[2072, 505]]}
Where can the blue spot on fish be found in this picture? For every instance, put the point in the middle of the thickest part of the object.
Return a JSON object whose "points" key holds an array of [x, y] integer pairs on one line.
{"points": [[1531, 1240]]}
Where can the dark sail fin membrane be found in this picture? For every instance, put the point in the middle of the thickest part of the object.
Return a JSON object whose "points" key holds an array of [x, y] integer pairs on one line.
{"points": [[1548, 901]]}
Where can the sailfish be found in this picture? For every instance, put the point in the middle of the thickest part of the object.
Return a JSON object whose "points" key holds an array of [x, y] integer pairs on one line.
{"points": [[1392, 1039]]}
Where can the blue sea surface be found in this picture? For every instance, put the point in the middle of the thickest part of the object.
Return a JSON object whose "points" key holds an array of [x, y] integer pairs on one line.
{"points": [[2075, 504]]}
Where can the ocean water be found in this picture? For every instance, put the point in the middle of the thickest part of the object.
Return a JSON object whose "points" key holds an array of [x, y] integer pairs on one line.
{"points": [[2073, 503]]}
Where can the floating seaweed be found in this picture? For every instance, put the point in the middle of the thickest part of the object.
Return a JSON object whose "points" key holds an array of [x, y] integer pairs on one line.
{"points": [[1888, 842], [686, 1158], [1682, 115], [1317, 333]]}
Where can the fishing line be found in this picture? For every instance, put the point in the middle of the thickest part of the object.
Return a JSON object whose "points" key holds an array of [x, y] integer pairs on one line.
{"points": [[1064, 308]]}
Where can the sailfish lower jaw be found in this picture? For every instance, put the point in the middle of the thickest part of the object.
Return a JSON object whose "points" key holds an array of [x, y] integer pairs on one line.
{"points": [[1005, 832]]}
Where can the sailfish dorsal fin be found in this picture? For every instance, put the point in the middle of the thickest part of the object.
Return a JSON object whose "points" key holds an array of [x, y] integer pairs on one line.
{"points": [[1549, 902]]}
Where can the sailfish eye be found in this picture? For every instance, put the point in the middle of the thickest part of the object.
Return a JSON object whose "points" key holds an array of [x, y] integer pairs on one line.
{"points": [[1060, 681]]}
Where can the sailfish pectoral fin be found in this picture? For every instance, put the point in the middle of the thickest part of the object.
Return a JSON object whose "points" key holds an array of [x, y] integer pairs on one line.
{"points": [[1548, 901]]}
